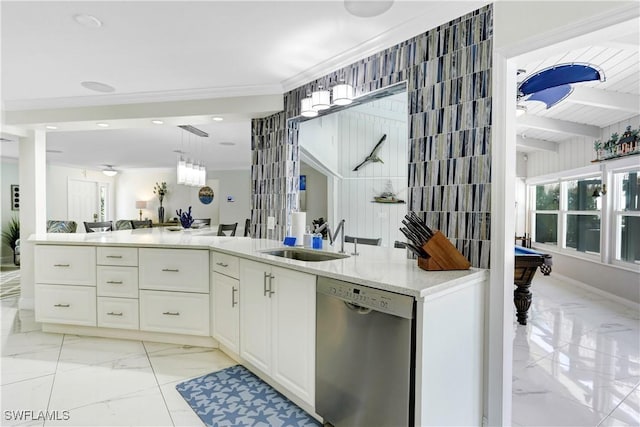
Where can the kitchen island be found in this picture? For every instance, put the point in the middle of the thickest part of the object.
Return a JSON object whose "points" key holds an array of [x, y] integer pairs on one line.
{"points": [[196, 288]]}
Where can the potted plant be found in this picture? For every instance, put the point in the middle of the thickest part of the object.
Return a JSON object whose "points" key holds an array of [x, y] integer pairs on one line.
{"points": [[11, 236], [160, 190], [597, 145]]}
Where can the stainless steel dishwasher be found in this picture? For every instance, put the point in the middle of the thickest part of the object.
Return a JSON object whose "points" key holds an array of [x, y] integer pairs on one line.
{"points": [[365, 339]]}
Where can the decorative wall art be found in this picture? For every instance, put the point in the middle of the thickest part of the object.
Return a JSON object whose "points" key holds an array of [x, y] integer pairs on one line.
{"points": [[618, 146], [205, 195], [15, 197]]}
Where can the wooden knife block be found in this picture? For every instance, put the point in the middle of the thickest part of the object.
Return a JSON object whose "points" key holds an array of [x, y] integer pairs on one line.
{"points": [[442, 255]]}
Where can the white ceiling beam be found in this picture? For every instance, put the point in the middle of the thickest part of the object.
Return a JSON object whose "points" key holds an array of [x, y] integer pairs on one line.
{"points": [[536, 144], [558, 126], [605, 99]]}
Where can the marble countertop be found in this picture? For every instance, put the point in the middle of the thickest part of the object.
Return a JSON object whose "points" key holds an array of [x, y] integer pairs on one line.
{"points": [[375, 266]]}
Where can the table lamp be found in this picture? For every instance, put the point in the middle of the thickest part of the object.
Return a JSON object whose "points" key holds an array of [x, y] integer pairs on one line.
{"points": [[141, 204]]}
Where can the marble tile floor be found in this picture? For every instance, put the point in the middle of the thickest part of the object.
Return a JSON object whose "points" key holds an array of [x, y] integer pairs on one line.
{"points": [[577, 363]]}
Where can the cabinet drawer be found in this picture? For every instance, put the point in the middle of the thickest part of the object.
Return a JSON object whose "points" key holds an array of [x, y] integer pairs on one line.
{"points": [[174, 312], [121, 282], [118, 256], [226, 264], [184, 270], [118, 313], [74, 305], [65, 265]]}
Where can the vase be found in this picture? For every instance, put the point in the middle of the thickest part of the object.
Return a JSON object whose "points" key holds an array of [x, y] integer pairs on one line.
{"points": [[160, 214]]}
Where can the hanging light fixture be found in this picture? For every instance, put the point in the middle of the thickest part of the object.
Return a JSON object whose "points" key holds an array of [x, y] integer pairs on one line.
{"points": [[109, 171], [181, 170], [191, 172], [320, 99], [342, 93]]}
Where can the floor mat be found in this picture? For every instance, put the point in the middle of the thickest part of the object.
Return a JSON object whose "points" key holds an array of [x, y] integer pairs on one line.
{"points": [[236, 397]]}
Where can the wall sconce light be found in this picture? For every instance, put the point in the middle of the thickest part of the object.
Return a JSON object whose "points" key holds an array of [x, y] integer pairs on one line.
{"points": [[342, 94], [320, 99], [600, 191], [306, 107]]}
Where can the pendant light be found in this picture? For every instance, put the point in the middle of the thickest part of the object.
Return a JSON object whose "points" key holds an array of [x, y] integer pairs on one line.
{"points": [[320, 99]]}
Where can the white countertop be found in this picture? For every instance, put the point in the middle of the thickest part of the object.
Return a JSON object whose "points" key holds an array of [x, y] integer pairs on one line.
{"points": [[378, 267]]}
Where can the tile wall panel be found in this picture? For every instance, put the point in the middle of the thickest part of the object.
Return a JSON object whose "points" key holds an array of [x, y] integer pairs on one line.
{"points": [[448, 70]]}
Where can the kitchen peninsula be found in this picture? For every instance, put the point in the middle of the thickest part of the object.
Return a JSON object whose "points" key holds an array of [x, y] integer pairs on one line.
{"points": [[195, 288]]}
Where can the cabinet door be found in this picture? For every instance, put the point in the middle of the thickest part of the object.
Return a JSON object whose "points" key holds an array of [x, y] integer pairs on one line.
{"points": [[293, 315], [255, 317], [226, 311]]}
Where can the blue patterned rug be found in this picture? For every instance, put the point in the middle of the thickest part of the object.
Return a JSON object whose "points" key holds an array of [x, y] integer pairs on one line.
{"points": [[236, 397]]}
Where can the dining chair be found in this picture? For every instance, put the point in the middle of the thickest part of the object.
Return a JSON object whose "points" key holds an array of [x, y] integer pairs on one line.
{"points": [[247, 228], [56, 226], [124, 224], [399, 244], [364, 240], [92, 227], [141, 224], [227, 227]]}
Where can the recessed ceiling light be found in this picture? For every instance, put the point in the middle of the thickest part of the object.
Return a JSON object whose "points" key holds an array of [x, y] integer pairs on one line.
{"points": [[52, 127], [88, 21], [157, 122], [227, 143], [98, 87], [367, 9], [217, 119], [103, 125]]}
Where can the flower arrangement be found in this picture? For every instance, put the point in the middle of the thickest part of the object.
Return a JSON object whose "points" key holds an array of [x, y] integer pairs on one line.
{"points": [[185, 218], [160, 190]]}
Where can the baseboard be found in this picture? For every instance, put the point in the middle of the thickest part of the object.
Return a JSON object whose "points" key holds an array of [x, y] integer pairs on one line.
{"points": [[623, 301], [130, 334]]}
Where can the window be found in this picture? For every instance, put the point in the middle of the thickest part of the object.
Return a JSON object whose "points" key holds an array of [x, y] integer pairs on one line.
{"points": [[627, 216], [546, 213], [582, 216]]}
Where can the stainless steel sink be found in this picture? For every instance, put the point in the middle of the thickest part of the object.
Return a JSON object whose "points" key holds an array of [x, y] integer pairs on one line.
{"points": [[305, 255]]}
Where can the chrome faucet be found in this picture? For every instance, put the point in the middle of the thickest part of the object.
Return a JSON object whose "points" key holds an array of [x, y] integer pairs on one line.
{"points": [[332, 238]]}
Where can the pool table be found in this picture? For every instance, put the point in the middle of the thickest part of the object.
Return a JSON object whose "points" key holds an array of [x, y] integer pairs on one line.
{"points": [[527, 261]]}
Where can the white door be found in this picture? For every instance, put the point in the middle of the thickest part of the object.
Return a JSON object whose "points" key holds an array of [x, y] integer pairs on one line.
{"points": [[82, 202], [226, 311], [293, 316], [255, 314]]}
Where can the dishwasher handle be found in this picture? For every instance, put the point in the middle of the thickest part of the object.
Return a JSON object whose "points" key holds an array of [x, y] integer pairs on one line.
{"points": [[357, 308]]}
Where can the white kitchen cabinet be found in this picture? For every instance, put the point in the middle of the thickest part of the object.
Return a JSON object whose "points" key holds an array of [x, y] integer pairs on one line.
{"points": [[183, 270], [174, 312], [228, 265], [65, 265], [116, 255], [225, 308], [72, 305], [119, 313], [277, 324], [116, 281]]}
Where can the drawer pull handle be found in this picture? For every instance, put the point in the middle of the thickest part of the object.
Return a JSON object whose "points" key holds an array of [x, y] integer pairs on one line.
{"points": [[114, 282], [170, 270], [169, 313], [113, 313], [222, 264], [264, 283], [62, 305], [233, 297], [61, 265], [114, 256]]}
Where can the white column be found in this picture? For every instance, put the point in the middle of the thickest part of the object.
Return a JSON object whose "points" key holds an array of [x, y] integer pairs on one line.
{"points": [[500, 320], [33, 207]]}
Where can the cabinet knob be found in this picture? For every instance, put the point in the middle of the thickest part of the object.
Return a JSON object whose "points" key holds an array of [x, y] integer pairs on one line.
{"points": [[233, 297], [222, 264]]}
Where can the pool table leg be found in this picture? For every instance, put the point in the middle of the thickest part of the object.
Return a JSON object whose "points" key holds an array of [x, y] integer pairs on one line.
{"points": [[522, 300]]}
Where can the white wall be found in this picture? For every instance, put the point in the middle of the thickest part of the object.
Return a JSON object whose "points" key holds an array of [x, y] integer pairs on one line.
{"points": [[235, 183], [57, 191], [318, 138], [574, 153], [316, 193], [358, 133], [8, 177], [137, 184]]}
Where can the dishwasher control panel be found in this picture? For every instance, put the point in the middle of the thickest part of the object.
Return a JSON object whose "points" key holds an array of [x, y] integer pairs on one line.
{"points": [[363, 296]]}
